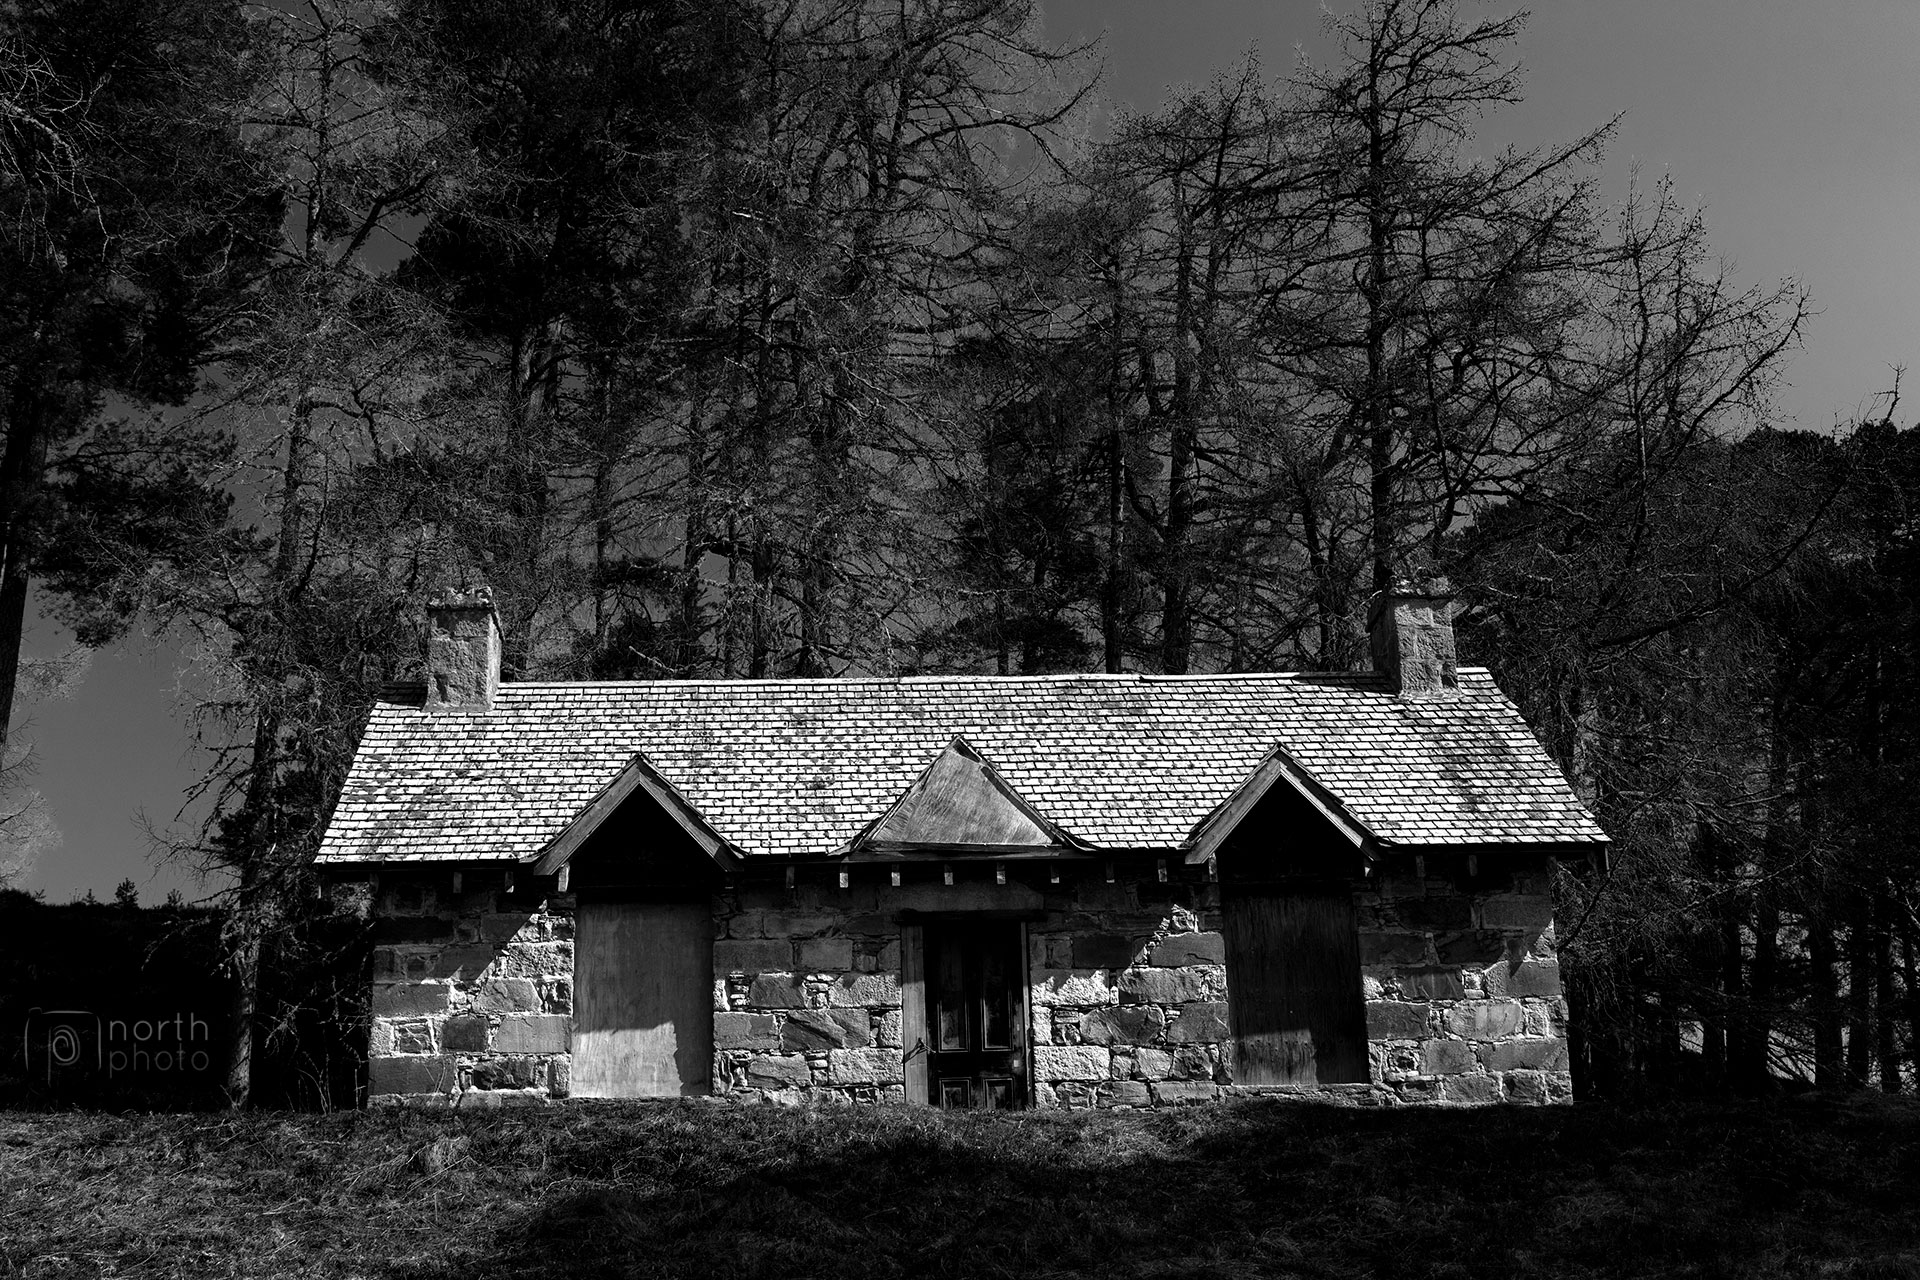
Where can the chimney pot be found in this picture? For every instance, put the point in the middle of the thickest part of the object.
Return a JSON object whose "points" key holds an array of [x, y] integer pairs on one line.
{"points": [[1410, 630], [463, 650]]}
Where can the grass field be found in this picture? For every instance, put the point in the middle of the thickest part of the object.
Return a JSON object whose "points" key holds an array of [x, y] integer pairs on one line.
{"points": [[1799, 1187]]}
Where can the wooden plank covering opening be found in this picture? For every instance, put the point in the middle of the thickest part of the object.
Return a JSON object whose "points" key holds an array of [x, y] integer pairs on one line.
{"points": [[913, 1009], [1293, 986], [643, 1000]]}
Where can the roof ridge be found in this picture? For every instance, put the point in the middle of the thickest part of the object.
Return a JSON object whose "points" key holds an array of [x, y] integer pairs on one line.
{"points": [[1121, 677]]}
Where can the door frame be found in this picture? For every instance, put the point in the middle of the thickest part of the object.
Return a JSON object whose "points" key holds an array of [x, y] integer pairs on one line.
{"points": [[914, 1032]]}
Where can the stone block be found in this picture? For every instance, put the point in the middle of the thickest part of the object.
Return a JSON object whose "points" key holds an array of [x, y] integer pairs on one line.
{"points": [[968, 895], [462, 964], [1127, 1093], [745, 1031], [1411, 1090], [1470, 1090], [507, 995], [826, 955], [505, 1073], [533, 1033], [1153, 1064], [888, 1032], [766, 1072], [414, 929], [534, 960], [510, 926], [380, 1038], [818, 1029], [1205, 1022], [1163, 986], [1436, 914], [1484, 1019], [418, 1074], [1053, 987], [864, 1066], [1124, 1024], [1396, 1020], [1173, 1093], [796, 924], [1446, 1057], [1054, 1063], [1093, 894], [1188, 948], [1523, 977], [1392, 948], [1526, 1055], [559, 1076], [1527, 912], [410, 999], [464, 1035], [1432, 984], [748, 955], [1526, 1087], [1102, 951], [1190, 1062], [776, 991], [865, 990], [1535, 978], [1479, 947]]}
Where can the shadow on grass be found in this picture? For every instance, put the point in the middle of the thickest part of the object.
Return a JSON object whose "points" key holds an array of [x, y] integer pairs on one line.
{"points": [[1257, 1188]]}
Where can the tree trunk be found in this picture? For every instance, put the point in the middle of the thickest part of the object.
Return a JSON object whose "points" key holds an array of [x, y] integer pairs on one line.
{"points": [[1910, 974], [1733, 1022], [1756, 1068], [1176, 617], [1860, 984], [22, 471], [1379, 423], [1823, 999], [1884, 1023]]}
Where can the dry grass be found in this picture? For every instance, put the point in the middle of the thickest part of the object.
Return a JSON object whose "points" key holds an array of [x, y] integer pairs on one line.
{"points": [[1809, 1186]]}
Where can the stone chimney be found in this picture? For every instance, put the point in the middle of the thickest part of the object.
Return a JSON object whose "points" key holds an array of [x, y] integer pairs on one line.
{"points": [[1410, 629], [463, 650]]}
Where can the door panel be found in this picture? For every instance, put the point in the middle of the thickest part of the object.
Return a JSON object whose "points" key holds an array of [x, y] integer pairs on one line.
{"points": [[643, 1000], [977, 1052], [1293, 986]]}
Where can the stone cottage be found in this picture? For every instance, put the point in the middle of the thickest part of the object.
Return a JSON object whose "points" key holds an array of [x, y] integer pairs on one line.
{"points": [[960, 891]]}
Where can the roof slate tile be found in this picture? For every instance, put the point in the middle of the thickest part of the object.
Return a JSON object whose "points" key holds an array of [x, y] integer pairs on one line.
{"points": [[800, 766]]}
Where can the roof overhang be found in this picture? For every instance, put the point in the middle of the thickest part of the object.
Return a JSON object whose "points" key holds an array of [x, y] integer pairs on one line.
{"points": [[638, 775], [1278, 769]]}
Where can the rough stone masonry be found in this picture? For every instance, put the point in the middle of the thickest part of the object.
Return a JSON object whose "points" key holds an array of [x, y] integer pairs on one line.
{"points": [[1128, 989]]}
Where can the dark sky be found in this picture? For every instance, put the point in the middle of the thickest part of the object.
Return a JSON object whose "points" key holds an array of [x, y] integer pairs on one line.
{"points": [[1793, 124]]}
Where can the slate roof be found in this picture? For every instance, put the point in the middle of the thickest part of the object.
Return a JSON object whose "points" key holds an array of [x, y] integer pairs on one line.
{"points": [[799, 767]]}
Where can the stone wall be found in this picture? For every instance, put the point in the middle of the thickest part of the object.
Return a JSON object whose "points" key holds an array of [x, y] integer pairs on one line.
{"points": [[472, 991], [1128, 989], [1129, 995], [1463, 987]]}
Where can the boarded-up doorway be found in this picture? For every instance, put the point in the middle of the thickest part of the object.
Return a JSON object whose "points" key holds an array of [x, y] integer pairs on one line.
{"points": [[643, 1000], [1293, 986]]}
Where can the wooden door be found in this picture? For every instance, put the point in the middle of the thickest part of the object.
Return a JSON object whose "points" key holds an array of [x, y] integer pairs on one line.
{"points": [[1293, 986], [976, 1033], [643, 1000]]}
